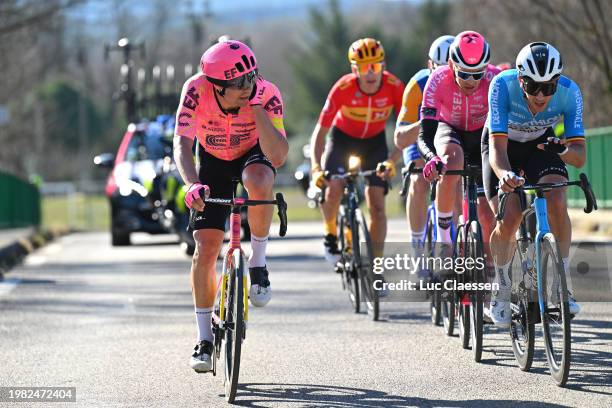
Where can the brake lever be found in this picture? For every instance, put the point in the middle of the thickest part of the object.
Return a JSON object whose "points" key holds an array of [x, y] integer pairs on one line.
{"points": [[282, 214], [589, 195]]}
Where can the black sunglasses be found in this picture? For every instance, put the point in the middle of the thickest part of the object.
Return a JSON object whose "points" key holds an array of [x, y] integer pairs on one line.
{"points": [[467, 75], [245, 81], [533, 88]]}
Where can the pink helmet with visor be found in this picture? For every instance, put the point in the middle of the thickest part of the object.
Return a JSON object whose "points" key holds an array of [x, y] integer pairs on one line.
{"points": [[229, 64], [470, 51]]}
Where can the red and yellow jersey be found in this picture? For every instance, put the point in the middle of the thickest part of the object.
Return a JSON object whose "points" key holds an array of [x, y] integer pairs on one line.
{"points": [[357, 114]]}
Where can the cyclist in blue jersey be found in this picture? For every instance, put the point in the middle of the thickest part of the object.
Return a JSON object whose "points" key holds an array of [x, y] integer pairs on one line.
{"points": [[407, 131], [519, 144]]}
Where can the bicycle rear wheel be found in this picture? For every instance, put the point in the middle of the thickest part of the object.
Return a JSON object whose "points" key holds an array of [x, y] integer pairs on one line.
{"points": [[366, 275], [234, 325], [555, 313]]}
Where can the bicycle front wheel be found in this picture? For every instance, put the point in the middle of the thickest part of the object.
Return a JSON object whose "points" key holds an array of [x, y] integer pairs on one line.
{"points": [[555, 313], [350, 279], [476, 247], [523, 306], [234, 325], [366, 275], [435, 305]]}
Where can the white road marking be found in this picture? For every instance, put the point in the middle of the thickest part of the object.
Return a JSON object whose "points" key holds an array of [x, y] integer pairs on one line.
{"points": [[35, 260]]}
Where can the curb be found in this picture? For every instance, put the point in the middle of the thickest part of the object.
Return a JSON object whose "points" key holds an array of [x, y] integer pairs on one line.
{"points": [[13, 254]]}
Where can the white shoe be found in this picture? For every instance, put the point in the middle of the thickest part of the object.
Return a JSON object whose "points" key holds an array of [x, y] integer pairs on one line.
{"points": [[574, 307], [201, 360], [260, 292], [499, 312], [330, 249]]}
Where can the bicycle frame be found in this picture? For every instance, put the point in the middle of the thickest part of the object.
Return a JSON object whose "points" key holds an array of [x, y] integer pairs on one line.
{"points": [[228, 260], [542, 229]]}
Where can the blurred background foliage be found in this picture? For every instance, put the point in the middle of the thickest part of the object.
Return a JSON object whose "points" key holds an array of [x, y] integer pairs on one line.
{"points": [[57, 84]]}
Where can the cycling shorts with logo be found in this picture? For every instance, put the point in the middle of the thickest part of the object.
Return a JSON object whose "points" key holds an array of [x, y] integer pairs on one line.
{"points": [[218, 174], [371, 151], [526, 156]]}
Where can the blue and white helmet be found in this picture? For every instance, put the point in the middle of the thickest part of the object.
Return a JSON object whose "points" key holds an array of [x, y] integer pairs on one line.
{"points": [[539, 61], [438, 52]]}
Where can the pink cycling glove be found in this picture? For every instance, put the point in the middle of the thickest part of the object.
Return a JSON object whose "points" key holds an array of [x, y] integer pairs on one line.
{"points": [[193, 193], [260, 88], [431, 165]]}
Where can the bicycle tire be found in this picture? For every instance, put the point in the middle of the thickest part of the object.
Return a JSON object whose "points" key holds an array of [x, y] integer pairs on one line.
{"points": [[234, 335], [476, 297], [369, 294], [555, 310], [462, 250], [435, 302], [349, 273], [522, 305]]}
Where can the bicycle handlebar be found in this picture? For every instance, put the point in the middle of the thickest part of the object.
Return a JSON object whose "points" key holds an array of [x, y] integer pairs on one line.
{"points": [[583, 183], [280, 203]]}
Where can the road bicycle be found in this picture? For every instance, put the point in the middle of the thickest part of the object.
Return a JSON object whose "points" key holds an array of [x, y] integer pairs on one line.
{"points": [[355, 244], [231, 313], [540, 293]]}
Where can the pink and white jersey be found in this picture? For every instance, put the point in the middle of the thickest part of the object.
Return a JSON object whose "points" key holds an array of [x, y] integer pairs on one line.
{"points": [[225, 136], [444, 101]]}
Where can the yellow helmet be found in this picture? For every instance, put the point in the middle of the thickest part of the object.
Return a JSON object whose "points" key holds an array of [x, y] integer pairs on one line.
{"points": [[366, 50]]}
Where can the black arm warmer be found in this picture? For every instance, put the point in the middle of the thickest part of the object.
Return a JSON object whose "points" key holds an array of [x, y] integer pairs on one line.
{"points": [[425, 142]]}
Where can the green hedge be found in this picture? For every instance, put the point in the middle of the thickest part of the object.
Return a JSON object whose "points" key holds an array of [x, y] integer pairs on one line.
{"points": [[19, 203], [598, 168]]}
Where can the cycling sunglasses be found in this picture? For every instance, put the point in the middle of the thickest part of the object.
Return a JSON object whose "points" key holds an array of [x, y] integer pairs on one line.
{"points": [[466, 76], [245, 81], [375, 67], [533, 88]]}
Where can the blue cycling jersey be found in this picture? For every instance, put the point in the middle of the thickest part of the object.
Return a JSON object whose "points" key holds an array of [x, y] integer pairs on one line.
{"points": [[509, 113]]}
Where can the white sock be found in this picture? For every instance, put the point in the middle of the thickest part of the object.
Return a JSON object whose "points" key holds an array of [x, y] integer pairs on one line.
{"points": [[502, 276], [443, 228], [258, 251], [417, 236], [203, 318]]}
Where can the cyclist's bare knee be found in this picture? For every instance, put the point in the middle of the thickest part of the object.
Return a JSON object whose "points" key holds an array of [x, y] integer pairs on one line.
{"points": [[258, 180]]}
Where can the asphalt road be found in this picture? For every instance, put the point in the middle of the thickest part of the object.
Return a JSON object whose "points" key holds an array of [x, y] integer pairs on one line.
{"points": [[118, 324]]}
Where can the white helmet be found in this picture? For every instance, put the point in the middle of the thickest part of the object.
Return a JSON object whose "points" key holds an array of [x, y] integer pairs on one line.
{"points": [[539, 61], [438, 52]]}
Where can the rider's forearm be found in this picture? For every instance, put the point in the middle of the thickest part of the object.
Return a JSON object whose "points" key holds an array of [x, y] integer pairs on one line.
{"points": [[405, 135], [575, 155], [183, 157], [498, 155], [427, 133], [317, 145], [395, 154], [273, 144]]}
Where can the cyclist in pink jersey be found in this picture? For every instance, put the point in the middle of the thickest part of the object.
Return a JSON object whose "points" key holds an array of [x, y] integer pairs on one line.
{"points": [[235, 119], [453, 113]]}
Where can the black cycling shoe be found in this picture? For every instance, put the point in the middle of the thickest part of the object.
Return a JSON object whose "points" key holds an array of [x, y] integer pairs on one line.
{"points": [[201, 359], [332, 254]]}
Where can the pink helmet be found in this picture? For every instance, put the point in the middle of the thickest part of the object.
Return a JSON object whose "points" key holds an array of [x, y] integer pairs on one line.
{"points": [[470, 51], [226, 61]]}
